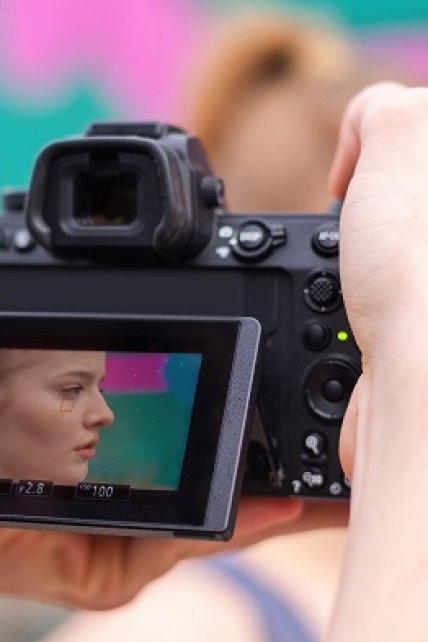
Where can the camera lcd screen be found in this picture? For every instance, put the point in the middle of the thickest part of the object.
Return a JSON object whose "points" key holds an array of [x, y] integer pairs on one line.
{"points": [[73, 416], [124, 423]]}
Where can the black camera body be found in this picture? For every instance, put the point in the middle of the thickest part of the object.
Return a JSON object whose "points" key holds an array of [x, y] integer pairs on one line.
{"points": [[130, 220]]}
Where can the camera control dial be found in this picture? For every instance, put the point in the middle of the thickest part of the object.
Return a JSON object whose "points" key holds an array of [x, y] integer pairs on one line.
{"points": [[328, 387]]}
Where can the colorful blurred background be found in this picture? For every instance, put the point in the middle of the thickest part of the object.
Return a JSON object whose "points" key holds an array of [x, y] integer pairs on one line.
{"points": [[151, 396], [65, 64]]}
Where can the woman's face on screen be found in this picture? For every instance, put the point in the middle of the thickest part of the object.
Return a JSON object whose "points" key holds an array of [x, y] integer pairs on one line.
{"points": [[51, 413]]}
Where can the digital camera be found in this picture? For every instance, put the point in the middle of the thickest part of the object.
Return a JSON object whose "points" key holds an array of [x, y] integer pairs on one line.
{"points": [[130, 220]]}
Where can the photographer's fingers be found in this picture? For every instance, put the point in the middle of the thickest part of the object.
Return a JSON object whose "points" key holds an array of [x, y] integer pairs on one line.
{"points": [[255, 514], [101, 572], [142, 560], [350, 134]]}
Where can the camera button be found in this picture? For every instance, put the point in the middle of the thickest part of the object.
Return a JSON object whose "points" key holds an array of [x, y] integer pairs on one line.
{"points": [[225, 232], [336, 488], [322, 292], [325, 241], [333, 390], [255, 239], [23, 241], [314, 444], [347, 482], [313, 478], [316, 335], [252, 236]]}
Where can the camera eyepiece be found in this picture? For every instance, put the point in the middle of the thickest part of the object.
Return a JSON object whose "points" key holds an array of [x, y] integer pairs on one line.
{"points": [[143, 188]]}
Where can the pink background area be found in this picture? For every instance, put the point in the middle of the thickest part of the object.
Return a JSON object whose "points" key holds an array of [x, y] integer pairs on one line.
{"points": [[136, 50], [135, 373]]}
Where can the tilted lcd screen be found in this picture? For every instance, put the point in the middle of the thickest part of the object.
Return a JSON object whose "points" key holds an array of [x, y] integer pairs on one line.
{"points": [[84, 418]]}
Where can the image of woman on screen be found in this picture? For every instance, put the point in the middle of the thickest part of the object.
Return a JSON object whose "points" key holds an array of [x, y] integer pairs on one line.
{"points": [[52, 410]]}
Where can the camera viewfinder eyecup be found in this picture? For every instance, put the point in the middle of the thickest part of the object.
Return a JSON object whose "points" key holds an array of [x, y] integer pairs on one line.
{"points": [[143, 188]]}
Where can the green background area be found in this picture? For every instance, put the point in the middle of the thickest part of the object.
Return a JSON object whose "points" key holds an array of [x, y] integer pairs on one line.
{"points": [[145, 445], [26, 127], [362, 13]]}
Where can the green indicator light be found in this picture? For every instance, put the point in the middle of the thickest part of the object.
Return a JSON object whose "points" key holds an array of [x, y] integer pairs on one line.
{"points": [[342, 335]]}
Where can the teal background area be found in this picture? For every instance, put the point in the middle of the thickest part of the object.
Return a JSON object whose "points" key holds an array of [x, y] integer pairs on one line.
{"points": [[357, 14], [146, 444], [182, 373], [26, 127]]}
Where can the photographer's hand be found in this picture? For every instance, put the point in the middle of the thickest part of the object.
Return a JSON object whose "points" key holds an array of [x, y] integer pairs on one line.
{"points": [[381, 170], [100, 572]]}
